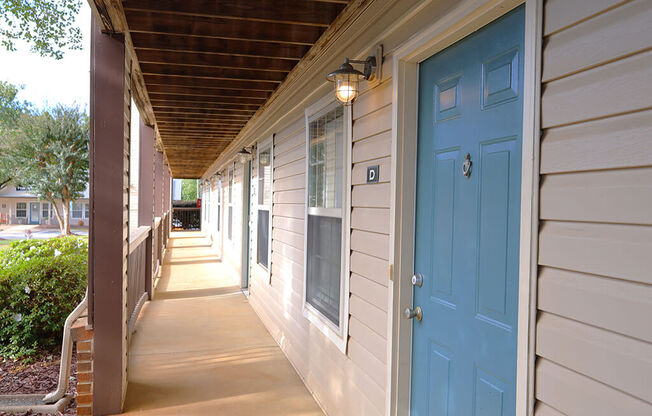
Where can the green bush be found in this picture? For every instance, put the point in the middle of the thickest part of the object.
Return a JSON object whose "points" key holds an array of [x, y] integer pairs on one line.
{"points": [[41, 282]]}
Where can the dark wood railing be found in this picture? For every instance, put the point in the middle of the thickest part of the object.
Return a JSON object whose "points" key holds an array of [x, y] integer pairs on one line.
{"points": [[146, 249], [186, 218], [139, 273]]}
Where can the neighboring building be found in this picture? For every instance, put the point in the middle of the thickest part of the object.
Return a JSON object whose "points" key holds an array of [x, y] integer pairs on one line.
{"points": [[19, 206], [176, 189]]}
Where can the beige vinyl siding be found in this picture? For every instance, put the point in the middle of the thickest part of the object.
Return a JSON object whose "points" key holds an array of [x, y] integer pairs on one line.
{"points": [[355, 382], [593, 333]]}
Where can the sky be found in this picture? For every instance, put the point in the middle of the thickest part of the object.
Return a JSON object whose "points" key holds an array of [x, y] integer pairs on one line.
{"points": [[48, 81]]}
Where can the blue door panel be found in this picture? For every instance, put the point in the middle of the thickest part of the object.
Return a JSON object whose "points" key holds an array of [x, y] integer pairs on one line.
{"points": [[467, 228]]}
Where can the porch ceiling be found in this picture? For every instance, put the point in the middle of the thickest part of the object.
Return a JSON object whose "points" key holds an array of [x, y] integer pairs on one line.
{"points": [[209, 65]]}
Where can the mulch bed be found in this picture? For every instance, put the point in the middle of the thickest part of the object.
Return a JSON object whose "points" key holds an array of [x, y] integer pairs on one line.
{"points": [[40, 376]]}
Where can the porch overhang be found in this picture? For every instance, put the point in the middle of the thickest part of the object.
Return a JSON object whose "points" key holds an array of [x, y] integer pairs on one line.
{"points": [[205, 68]]}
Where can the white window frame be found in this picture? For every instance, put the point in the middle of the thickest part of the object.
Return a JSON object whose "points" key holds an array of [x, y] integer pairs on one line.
{"points": [[229, 202], [337, 334], [220, 207], [45, 209], [72, 210], [261, 147], [21, 209]]}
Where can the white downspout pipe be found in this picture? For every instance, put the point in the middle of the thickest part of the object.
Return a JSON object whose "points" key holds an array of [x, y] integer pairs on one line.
{"points": [[66, 353]]}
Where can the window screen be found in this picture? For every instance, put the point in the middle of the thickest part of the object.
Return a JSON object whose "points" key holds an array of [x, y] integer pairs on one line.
{"points": [[77, 210], [219, 205], [229, 230], [21, 209], [264, 204], [263, 238], [325, 194], [45, 211], [324, 261]]}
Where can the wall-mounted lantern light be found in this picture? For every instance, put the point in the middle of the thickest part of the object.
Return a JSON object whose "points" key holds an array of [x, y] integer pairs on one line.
{"points": [[264, 158], [244, 156], [347, 79]]}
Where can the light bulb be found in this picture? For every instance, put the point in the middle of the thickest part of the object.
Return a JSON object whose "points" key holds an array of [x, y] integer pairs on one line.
{"points": [[345, 93]]}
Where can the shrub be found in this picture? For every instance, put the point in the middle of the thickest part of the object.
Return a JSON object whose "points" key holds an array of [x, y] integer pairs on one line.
{"points": [[41, 282]]}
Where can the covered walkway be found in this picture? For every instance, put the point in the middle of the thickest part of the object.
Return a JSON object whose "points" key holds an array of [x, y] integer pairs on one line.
{"points": [[199, 348]]}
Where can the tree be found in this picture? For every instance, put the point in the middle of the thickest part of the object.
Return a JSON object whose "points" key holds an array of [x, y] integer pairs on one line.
{"points": [[189, 189], [50, 153], [47, 26], [10, 111]]}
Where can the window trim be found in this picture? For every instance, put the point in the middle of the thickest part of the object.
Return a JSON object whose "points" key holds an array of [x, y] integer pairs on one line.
{"points": [[260, 147], [45, 209], [229, 202], [220, 208], [72, 210], [21, 209], [337, 334]]}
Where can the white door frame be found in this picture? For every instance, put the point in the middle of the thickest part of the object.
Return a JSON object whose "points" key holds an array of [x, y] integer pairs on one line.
{"points": [[469, 16]]}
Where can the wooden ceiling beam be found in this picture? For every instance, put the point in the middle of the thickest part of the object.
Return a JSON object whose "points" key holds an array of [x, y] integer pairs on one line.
{"points": [[199, 112], [183, 124], [201, 133], [197, 26], [203, 137], [215, 106], [149, 56], [206, 93], [218, 46], [194, 119], [293, 11], [209, 83], [157, 97], [212, 73]]}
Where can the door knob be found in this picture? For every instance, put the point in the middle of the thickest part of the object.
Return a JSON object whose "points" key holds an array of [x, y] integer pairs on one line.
{"points": [[417, 279], [414, 313]]}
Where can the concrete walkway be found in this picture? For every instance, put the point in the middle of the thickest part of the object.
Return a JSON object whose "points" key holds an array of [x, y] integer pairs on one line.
{"points": [[199, 348]]}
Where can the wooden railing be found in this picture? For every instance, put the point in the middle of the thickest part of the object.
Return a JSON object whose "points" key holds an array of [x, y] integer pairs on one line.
{"points": [[146, 249], [139, 273], [184, 218]]}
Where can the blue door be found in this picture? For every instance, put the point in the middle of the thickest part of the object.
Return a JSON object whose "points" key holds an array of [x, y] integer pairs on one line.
{"points": [[34, 213], [467, 224]]}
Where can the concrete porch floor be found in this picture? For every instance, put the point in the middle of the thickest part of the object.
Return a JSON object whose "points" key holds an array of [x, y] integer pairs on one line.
{"points": [[199, 348]]}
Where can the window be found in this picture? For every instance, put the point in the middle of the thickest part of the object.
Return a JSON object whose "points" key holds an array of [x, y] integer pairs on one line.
{"points": [[325, 243], [77, 210], [264, 232], [21, 209], [45, 210], [87, 210], [209, 193], [219, 205], [229, 224]]}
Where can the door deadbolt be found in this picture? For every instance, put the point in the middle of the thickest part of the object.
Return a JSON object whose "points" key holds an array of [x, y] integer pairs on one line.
{"points": [[417, 279]]}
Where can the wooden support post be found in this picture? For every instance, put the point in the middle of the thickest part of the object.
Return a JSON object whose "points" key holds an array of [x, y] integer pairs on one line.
{"points": [[109, 224], [146, 197], [159, 185]]}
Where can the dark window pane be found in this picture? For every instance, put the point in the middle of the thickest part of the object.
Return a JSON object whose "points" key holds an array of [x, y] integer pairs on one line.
{"points": [[324, 265], [263, 238], [230, 224], [219, 216]]}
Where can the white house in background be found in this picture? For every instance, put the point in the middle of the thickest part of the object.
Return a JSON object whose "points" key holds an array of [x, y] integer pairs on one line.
{"points": [[176, 189], [18, 205]]}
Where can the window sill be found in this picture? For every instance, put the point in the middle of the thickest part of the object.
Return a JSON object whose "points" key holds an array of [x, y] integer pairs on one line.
{"points": [[336, 335]]}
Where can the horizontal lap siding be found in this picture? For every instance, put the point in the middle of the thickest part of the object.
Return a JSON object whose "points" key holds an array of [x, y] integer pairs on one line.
{"points": [[355, 382], [593, 334]]}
